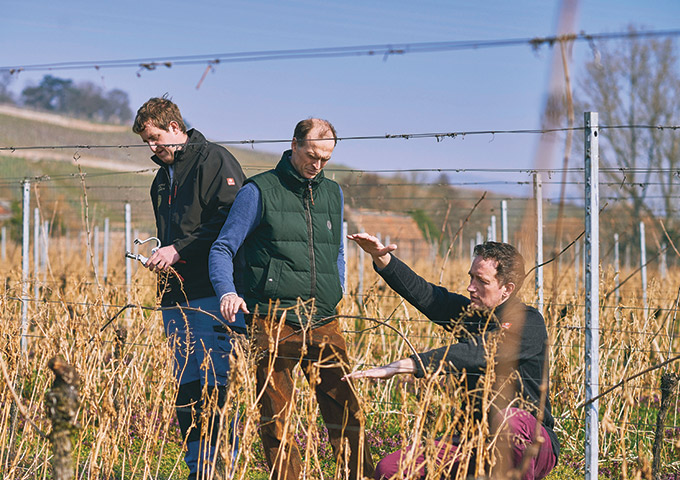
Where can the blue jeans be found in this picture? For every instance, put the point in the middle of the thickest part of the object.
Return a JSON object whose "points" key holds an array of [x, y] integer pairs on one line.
{"points": [[201, 348], [206, 337]]}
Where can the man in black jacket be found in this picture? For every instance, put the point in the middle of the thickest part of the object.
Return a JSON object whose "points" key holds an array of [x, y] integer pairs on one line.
{"points": [[192, 193], [496, 274]]}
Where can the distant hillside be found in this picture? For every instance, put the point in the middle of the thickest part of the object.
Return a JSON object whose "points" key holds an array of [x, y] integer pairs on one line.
{"points": [[24, 128], [103, 152]]}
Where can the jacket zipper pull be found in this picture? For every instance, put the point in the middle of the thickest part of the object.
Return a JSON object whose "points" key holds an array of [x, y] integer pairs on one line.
{"points": [[173, 194], [309, 187]]}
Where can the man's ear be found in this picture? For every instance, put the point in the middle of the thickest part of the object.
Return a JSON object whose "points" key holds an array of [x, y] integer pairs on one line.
{"points": [[509, 289], [294, 144], [173, 127]]}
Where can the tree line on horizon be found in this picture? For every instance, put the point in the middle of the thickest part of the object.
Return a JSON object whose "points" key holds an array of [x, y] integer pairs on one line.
{"points": [[78, 99]]}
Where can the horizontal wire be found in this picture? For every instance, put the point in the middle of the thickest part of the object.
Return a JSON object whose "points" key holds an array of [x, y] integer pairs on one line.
{"points": [[439, 136], [384, 51], [364, 365], [46, 179]]}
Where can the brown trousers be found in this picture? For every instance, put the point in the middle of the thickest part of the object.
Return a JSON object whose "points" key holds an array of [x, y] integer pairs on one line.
{"points": [[322, 354]]}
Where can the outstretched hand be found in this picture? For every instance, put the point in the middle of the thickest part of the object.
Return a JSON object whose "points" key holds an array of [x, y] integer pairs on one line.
{"points": [[406, 365], [374, 247]]}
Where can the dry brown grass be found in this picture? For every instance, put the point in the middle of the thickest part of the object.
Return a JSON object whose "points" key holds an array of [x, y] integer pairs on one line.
{"points": [[127, 414]]}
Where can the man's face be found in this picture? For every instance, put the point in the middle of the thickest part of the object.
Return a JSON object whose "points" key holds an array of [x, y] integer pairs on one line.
{"points": [[484, 289], [161, 141], [310, 157]]}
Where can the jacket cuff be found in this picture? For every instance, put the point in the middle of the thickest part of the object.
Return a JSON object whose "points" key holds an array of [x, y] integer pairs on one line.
{"points": [[181, 245], [389, 268], [419, 361]]}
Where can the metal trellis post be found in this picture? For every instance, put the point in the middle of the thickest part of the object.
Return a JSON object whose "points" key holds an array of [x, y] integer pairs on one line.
{"points": [[538, 195], [105, 259], [643, 267], [25, 262], [95, 254], [128, 248], [617, 268], [592, 285], [36, 252]]}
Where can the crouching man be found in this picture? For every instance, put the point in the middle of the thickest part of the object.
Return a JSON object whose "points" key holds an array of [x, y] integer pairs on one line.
{"points": [[496, 274]]}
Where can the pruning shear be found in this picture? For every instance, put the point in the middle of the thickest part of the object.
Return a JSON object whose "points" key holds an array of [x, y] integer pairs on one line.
{"points": [[139, 256]]}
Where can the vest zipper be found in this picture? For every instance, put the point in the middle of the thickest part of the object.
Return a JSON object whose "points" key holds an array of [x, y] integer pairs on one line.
{"points": [[309, 189], [310, 239]]}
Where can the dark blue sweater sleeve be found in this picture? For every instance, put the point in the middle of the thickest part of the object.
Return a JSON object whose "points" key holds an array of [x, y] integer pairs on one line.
{"points": [[435, 302], [244, 217]]}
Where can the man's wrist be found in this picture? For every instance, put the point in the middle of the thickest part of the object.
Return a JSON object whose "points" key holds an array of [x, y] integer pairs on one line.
{"points": [[405, 365], [227, 295], [382, 261]]}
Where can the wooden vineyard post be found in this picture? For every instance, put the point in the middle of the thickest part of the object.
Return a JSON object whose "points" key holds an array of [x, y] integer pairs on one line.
{"points": [[61, 403]]}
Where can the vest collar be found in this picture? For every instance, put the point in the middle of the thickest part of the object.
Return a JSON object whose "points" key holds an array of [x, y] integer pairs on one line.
{"points": [[290, 176]]}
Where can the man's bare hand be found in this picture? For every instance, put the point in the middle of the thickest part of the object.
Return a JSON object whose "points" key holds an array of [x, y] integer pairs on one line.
{"points": [[374, 247], [230, 306], [162, 259], [406, 365]]}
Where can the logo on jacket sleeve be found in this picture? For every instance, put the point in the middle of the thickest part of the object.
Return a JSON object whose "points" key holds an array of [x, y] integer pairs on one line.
{"points": [[329, 224], [230, 181]]}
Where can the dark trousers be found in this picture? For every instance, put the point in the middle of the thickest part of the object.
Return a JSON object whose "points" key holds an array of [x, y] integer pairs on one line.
{"points": [[521, 426], [322, 354]]}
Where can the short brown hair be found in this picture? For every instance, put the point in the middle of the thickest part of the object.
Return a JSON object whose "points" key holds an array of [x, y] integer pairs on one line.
{"points": [[509, 262], [160, 112], [303, 128]]}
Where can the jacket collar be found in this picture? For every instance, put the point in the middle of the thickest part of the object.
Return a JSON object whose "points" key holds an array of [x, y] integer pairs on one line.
{"points": [[292, 178], [509, 312], [195, 141]]}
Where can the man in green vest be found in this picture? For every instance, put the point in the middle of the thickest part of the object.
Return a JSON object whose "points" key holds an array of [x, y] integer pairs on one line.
{"points": [[286, 223]]}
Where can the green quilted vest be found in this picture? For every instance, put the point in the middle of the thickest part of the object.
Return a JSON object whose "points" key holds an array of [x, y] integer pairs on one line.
{"points": [[293, 253]]}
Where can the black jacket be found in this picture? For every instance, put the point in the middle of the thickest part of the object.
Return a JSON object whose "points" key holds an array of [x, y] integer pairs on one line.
{"points": [[523, 346], [191, 211]]}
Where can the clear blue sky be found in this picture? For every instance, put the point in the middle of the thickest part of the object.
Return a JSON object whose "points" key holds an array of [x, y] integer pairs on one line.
{"points": [[499, 88]]}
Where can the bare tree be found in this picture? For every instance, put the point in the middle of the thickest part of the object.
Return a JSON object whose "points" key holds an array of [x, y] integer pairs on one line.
{"points": [[634, 84]]}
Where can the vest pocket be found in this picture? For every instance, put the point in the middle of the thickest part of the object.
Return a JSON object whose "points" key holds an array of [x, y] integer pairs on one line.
{"points": [[271, 279]]}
